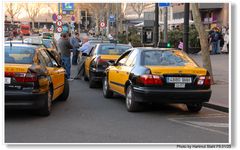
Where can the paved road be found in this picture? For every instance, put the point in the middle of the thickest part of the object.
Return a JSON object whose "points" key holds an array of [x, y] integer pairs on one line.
{"points": [[87, 117]]}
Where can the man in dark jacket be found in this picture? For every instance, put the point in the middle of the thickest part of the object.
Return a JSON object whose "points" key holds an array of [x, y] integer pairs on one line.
{"points": [[65, 47], [75, 44]]}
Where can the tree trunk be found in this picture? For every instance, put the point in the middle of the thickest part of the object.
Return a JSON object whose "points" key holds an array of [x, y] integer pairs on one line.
{"points": [[203, 39]]}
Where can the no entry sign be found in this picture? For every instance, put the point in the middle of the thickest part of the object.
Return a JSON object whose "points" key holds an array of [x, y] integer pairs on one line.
{"points": [[59, 29], [59, 23], [102, 24]]}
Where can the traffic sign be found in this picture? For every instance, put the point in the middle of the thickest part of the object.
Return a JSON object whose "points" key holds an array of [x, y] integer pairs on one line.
{"points": [[102, 24], [73, 18], [59, 17], [163, 4], [59, 29], [54, 17], [112, 18], [59, 23]]}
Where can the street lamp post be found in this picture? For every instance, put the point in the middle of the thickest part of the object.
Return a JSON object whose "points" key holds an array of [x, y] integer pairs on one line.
{"points": [[156, 25]]}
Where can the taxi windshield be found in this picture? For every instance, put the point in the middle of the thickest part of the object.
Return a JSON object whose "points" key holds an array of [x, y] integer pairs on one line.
{"points": [[163, 58], [19, 55], [112, 49]]}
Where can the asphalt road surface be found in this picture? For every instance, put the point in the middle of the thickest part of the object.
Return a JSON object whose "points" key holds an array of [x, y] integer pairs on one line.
{"points": [[87, 117]]}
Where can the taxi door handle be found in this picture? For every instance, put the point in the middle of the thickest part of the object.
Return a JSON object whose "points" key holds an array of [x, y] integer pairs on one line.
{"points": [[117, 71], [127, 72]]}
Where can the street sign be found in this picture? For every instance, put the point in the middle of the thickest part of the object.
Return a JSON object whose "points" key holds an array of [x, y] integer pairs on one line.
{"points": [[102, 24], [59, 17], [59, 23], [73, 18], [54, 17], [163, 4], [111, 18], [67, 6], [59, 29]]}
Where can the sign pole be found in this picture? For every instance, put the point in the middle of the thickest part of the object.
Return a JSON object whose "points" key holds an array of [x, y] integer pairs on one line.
{"points": [[186, 27], [156, 25], [165, 38]]}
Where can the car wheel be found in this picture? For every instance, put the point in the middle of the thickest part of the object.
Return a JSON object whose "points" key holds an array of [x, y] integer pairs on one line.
{"points": [[65, 94], [131, 104], [92, 84], [196, 107], [46, 109], [107, 93]]}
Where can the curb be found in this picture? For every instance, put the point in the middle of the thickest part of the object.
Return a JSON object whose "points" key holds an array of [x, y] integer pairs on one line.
{"points": [[216, 107]]}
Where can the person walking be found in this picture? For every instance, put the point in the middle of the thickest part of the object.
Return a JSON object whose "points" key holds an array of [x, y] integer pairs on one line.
{"points": [[226, 41], [65, 51], [214, 38], [84, 50], [75, 44]]}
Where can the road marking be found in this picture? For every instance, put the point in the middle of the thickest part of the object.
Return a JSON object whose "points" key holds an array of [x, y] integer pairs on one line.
{"points": [[209, 124], [192, 117], [197, 126]]}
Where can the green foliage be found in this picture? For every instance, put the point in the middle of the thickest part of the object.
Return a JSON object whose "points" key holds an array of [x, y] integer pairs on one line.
{"points": [[175, 35], [134, 37]]}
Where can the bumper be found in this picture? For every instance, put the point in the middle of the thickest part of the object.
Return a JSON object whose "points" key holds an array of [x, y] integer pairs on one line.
{"points": [[97, 75], [24, 100], [171, 96]]}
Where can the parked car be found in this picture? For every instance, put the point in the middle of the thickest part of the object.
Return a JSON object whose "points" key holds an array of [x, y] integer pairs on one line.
{"points": [[97, 60], [161, 75], [33, 78]]}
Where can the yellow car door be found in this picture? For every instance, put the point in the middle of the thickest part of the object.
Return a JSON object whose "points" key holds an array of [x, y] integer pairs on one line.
{"points": [[88, 60], [56, 73]]}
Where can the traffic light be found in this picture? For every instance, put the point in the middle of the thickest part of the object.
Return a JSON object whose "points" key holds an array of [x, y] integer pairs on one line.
{"points": [[164, 45]]}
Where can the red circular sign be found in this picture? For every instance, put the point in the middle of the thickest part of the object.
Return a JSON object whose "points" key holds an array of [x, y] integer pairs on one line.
{"points": [[59, 23], [59, 29], [102, 24]]}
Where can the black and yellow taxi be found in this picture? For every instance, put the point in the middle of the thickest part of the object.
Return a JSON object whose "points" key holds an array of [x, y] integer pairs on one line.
{"points": [[33, 78], [97, 60], [157, 75]]}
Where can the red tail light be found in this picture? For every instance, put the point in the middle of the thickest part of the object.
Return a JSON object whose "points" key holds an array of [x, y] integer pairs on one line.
{"points": [[149, 79], [204, 80], [22, 77]]}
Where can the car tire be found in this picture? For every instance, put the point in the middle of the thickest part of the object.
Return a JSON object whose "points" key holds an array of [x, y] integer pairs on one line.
{"points": [[65, 94], [131, 104], [92, 84], [107, 93], [46, 109], [196, 107]]}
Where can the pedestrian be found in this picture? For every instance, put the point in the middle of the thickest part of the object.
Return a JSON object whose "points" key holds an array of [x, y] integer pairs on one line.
{"points": [[110, 37], [180, 45], [84, 50], [75, 44], [226, 41], [214, 39], [65, 50]]}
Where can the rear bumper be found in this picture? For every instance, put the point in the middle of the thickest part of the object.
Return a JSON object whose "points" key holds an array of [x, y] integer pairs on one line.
{"points": [[143, 94], [97, 75], [24, 100]]}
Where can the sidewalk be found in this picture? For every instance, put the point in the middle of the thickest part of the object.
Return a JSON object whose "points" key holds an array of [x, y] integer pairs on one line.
{"points": [[220, 90]]}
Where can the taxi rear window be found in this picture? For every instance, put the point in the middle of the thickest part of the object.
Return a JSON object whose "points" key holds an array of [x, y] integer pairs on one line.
{"points": [[112, 49], [19, 55], [163, 58]]}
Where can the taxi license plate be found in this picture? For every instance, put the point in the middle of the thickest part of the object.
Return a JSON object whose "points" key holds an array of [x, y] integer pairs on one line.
{"points": [[179, 85], [179, 80], [7, 80]]}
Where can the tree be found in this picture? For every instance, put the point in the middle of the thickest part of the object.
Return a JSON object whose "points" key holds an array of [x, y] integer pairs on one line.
{"points": [[13, 9], [203, 39], [33, 10], [138, 8]]}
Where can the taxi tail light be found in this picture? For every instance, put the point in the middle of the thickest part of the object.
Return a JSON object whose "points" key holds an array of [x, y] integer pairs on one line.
{"points": [[149, 79], [204, 80], [100, 61], [22, 77]]}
